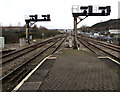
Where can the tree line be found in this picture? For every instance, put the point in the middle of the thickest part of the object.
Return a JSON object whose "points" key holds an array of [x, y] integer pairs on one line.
{"points": [[13, 35]]}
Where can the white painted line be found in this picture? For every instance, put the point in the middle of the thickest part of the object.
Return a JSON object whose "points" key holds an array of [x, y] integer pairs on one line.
{"points": [[110, 59], [21, 83], [103, 57], [52, 58], [58, 51], [114, 60]]}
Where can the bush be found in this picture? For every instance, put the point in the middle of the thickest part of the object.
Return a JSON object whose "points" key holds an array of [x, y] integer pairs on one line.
{"points": [[13, 35], [10, 36]]}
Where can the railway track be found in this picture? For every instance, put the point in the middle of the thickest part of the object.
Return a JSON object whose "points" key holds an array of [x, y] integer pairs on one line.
{"points": [[15, 59], [86, 45], [107, 45], [15, 54], [101, 48], [15, 76]]}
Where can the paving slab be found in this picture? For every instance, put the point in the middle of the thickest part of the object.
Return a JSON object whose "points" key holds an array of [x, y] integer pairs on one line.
{"points": [[80, 70], [30, 86], [74, 71]]}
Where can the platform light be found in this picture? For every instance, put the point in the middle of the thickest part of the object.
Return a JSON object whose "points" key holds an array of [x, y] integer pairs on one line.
{"points": [[103, 10], [44, 16], [36, 16], [90, 9], [84, 8], [85, 12], [108, 10], [48, 16], [33, 17]]}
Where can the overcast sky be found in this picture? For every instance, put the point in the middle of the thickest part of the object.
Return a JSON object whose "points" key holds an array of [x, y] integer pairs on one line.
{"points": [[14, 11]]}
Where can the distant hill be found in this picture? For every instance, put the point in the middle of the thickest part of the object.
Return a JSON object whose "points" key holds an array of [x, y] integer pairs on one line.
{"points": [[110, 24]]}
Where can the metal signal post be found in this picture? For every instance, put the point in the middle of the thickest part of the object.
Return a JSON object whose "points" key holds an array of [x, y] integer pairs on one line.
{"points": [[75, 33], [87, 11], [34, 18]]}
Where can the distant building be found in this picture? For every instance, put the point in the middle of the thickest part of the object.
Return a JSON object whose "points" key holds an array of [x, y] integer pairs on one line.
{"points": [[114, 31], [11, 27]]}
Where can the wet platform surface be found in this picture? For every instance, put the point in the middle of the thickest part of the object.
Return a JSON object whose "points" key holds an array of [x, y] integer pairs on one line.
{"points": [[74, 70]]}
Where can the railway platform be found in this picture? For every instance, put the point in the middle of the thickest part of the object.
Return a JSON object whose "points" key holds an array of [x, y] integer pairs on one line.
{"points": [[73, 70]]}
